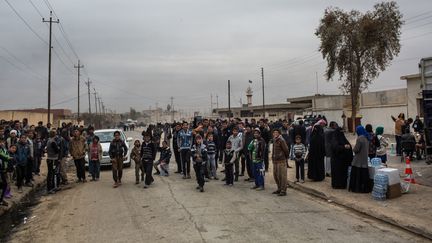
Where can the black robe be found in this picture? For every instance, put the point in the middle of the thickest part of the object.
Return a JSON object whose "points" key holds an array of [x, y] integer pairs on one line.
{"points": [[316, 155], [340, 161]]}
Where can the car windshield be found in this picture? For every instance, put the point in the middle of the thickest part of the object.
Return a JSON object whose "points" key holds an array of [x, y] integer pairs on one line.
{"points": [[107, 137]]}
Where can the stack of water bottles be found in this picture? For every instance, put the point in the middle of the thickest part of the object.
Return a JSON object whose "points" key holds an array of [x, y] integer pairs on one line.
{"points": [[380, 187]]}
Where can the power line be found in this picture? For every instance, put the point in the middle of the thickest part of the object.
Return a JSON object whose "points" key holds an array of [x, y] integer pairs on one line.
{"points": [[39, 76], [418, 15], [26, 23], [61, 28]]}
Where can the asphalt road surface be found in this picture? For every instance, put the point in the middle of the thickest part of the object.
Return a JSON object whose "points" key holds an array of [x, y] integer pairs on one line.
{"points": [[172, 210]]}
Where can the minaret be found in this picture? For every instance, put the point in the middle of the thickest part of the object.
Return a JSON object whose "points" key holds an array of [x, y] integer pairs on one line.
{"points": [[249, 96]]}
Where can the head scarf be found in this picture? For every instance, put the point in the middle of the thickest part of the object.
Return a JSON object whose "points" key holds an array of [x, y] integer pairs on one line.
{"points": [[321, 122], [379, 131], [361, 131]]}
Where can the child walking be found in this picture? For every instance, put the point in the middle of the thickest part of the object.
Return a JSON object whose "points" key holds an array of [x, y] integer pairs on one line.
{"points": [[136, 157], [229, 157], [211, 152], [199, 157], [299, 151], [95, 154]]}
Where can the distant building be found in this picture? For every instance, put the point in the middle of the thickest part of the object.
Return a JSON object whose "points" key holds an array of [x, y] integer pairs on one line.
{"points": [[271, 111], [414, 95], [36, 115]]}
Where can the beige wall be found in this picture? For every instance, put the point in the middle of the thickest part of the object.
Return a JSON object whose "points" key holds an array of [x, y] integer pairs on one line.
{"points": [[375, 107], [33, 117], [335, 102], [381, 116], [380, 98], [414, 93]]}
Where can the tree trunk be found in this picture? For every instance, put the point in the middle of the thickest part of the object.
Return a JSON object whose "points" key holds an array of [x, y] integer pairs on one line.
{"points": [[353, 112]]}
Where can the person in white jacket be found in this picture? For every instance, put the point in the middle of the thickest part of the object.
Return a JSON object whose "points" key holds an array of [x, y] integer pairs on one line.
{"points": [[237, 145]]}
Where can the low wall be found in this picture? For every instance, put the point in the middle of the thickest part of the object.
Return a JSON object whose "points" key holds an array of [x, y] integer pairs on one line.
{"points": [[33, 117], [381, 116]]}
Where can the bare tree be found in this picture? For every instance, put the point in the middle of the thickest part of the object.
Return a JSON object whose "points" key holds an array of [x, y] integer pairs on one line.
{"points": [[359, 46]]}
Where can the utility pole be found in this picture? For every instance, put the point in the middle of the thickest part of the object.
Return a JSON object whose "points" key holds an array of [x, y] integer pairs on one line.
{"points": [[263, 92], [229, 99], [79, 69], [96, 107], [316, 77], [49, 62], [100, 107], [88, 88], [217, 101]]}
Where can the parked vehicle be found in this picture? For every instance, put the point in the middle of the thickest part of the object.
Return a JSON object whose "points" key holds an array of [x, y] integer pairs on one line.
{"points": [[105, 138]]}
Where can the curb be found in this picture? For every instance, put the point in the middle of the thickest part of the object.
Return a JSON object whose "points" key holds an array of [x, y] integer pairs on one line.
{"points": [[14, 205], [376, 215]]}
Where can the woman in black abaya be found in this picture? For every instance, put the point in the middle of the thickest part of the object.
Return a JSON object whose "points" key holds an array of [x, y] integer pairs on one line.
{"points": [[342, 156], [316, 154]]}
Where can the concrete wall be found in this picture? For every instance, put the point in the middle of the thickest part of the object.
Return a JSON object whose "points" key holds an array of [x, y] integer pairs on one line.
{"points": [[335, 102], [33, 117], [381, 116], [414, 93], [382, 98]]}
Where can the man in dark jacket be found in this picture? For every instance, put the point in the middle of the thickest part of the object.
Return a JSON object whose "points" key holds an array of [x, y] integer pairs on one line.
{"points": [[148, 155], [280, 156], [248, 137], [266, 135], [177, 157], [117, 152]]}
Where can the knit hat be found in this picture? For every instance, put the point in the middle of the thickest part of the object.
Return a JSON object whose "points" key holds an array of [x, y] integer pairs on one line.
{"points": [[379, 130], [14, 131], [257, 130]]}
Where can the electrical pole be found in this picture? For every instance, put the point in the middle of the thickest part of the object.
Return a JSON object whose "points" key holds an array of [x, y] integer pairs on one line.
{"points": [[262, 78], [79, 68], [217, 101], [229, 99], [49, 62], [95, 101], [316, 76], [88, 88], [100, 107]]}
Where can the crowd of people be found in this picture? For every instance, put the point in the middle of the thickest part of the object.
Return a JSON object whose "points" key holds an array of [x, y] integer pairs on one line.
{"points": [[231, 148], [22, 148]]}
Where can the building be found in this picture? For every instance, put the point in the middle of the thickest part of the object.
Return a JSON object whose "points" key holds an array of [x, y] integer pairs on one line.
{"points": [[375, 108], [271, 111], [414, 95], [36, 115]]}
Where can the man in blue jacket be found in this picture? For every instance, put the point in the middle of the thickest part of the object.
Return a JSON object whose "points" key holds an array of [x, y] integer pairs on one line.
{"points": [[184, 141]]}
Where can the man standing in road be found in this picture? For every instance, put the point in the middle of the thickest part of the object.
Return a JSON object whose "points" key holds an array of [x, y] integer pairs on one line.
{"points": [[148, 155], [280, 156], [257, 148], [117, 152], [176, 148], [184, 141], [266, 135], [78, 151], [237, 145]]}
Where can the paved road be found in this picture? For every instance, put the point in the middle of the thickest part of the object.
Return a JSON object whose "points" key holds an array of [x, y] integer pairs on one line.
{"points": [[172, 211]]}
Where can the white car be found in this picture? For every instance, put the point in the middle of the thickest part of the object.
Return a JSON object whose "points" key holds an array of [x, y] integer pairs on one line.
{"points": [[105, 138]]}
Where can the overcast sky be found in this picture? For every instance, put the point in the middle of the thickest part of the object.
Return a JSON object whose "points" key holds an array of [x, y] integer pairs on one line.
{"points": [[139, 53]]}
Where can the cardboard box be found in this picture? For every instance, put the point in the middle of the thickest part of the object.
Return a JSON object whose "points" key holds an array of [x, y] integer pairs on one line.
{"points": [[393, 175], [394, 191]]}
